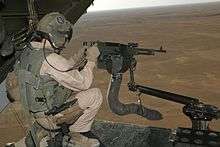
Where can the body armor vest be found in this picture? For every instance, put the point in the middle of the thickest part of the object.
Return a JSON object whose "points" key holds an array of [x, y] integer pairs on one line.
{"points": [[38, 93]]}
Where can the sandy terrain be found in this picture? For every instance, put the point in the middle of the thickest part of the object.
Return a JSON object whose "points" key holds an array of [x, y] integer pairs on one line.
{"points": [[191, 67]]}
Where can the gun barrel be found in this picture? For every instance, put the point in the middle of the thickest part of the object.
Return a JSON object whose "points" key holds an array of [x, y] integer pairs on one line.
{"points": [[167, 95], [142, 51]]}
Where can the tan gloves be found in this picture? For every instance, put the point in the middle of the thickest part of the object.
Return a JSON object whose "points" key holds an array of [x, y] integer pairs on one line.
{"points": [[92, 53], [70, 115], [77, 57], [78, 60]]}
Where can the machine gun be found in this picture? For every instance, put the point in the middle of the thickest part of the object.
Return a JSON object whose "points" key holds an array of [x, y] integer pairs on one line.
{"points": [[118, 58], [110, 51]]}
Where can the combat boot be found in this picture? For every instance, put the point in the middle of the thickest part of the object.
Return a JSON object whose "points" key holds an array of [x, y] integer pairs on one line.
{"points": [[83, 141], [10, 145], [20, 143]]}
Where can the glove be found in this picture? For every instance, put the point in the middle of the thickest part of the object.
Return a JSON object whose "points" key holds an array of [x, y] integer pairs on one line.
{"points": [[92, 53], [78, 60], [77, 57], [70, 115]]}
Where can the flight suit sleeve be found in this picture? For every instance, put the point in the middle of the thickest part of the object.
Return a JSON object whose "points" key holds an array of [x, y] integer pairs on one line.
{"points": [[74, 79]]}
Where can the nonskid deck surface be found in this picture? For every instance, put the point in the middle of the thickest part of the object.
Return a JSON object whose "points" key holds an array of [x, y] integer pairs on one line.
{"points": [[112, 134], [129, 135]]}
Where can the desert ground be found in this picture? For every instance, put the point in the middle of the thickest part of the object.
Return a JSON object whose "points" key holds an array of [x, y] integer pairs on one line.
{"points": [[191, 66]]}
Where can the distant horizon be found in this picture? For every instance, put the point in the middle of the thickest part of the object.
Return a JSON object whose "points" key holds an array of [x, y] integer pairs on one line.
{"points": [[154, 6]]}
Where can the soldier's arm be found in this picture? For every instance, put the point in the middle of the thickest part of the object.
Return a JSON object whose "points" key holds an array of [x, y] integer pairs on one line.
{"points": [[74, 79]]}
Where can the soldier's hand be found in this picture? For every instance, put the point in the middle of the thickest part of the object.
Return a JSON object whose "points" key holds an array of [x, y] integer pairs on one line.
{"points": [[92, 53], [70, 115], [78, 55]]}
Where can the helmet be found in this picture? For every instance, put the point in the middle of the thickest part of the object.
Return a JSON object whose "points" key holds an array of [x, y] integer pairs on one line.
{"points": [[56, 29]]}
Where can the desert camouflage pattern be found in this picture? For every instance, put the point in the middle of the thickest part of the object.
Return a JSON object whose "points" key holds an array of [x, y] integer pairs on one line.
{"points": [[3, 96]]}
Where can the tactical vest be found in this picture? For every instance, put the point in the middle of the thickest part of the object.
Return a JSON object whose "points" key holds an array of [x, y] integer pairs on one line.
{"points": [[38, 93]]}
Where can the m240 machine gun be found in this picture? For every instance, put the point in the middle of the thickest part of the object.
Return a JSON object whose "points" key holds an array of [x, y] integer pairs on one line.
{"points": [[119, 58]]}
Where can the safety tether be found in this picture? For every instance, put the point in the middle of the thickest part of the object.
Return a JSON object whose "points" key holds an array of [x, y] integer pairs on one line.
{"points": [[33, 17]]}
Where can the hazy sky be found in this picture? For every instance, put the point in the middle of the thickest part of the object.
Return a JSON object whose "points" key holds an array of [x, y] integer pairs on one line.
{"points": [[120, 4]]}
